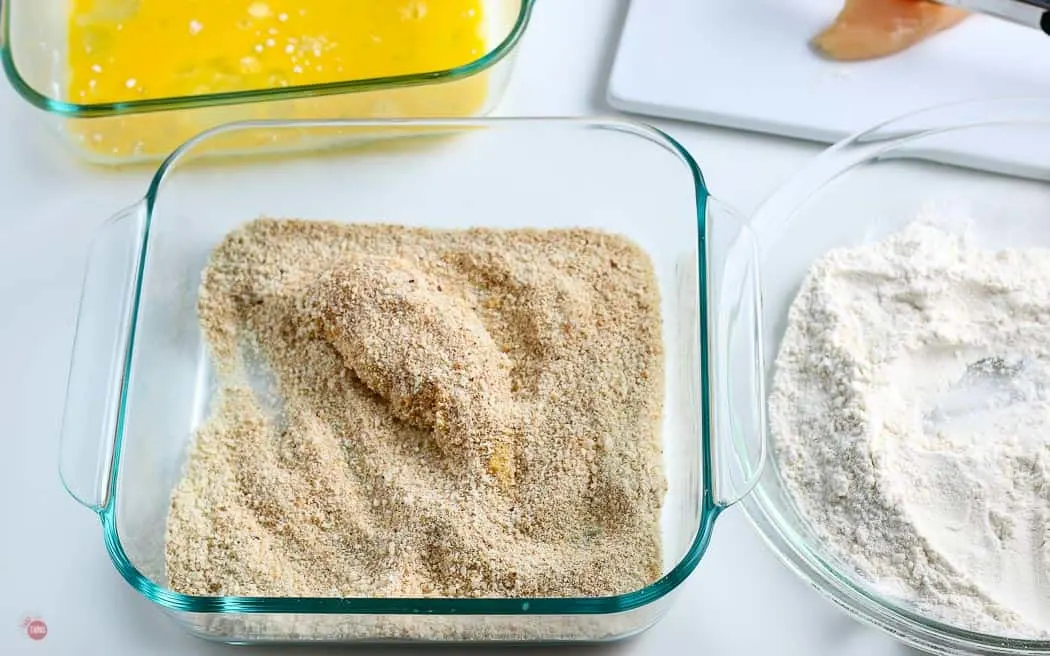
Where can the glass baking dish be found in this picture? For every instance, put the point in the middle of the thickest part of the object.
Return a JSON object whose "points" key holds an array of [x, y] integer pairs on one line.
{"points": [[140, 379], [859, 191], [33, 45]]}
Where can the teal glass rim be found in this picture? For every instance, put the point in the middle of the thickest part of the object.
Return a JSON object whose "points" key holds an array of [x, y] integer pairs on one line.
{"points": [[709, 507], [75, 110]]}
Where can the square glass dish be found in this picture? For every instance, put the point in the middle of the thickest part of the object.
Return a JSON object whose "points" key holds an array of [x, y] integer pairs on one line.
{"points": [[141, 379], [858, 192], [35, 37]]}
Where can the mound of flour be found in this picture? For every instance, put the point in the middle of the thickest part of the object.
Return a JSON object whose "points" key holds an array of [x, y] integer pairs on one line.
{"points": [[910, 412]]}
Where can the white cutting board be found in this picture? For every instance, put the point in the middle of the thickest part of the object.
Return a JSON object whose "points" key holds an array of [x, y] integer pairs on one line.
{"points": [[747, 64]]}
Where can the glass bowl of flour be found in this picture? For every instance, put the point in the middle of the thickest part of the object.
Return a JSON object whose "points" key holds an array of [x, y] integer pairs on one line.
{"points": [[906, 291]]}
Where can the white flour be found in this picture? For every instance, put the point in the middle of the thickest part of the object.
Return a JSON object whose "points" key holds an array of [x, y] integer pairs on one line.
{"points": [[910, 411]]}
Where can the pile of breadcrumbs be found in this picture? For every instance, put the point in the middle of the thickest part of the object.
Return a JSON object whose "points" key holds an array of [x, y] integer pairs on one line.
{"points": [[408, 412]]}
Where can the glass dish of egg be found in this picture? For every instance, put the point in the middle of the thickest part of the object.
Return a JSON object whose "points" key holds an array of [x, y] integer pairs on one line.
{"points": [[129, 80]]}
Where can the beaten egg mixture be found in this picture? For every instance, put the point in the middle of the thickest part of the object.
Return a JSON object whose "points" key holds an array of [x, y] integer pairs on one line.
{"points": [[135, 49], [128, 50]]}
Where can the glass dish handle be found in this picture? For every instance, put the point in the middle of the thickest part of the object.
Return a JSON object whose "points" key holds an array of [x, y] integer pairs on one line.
{"points": [[97, 365], [736, 359]]}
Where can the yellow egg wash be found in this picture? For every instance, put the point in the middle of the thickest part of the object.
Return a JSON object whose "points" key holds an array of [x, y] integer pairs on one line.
{"points": [[128, 50]]}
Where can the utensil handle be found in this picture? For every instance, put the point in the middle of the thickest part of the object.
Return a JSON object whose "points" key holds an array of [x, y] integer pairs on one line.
{"points": [[736, 361], [97, 370], [1030, 13]]}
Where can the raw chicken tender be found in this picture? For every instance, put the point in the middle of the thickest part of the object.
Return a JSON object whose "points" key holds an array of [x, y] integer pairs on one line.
{"points": [[868, 29]]}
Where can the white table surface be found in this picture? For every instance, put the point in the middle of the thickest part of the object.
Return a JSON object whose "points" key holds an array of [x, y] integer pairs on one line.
{"points": [[53, 564]]}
